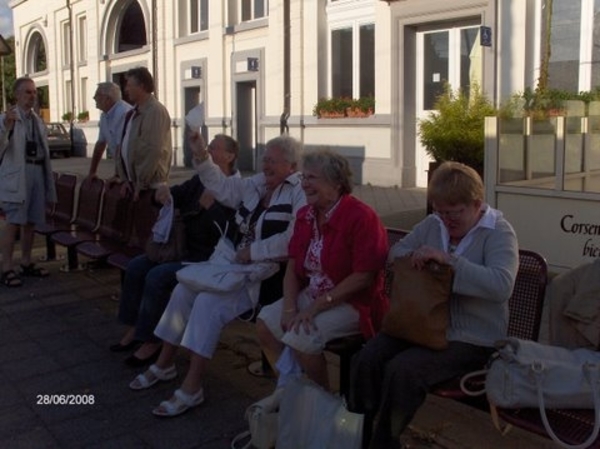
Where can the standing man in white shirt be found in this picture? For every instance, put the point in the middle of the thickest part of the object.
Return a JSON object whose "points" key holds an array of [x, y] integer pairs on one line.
{"points": [[108, 100]]}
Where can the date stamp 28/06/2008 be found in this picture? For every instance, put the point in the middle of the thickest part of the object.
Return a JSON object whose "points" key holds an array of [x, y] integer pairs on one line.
{"points": [[65, 399]]}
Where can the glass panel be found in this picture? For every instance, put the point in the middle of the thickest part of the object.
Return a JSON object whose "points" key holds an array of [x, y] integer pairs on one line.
{"points": [[204, 15], [341, 63], [194, 16], [246, 10], [592, 153], [540, 153], [259, 8], [435, 66], [511, 151], [573, 154], [565, 38], [596, 46], [38, 63], [470, 59], [367, 60]]}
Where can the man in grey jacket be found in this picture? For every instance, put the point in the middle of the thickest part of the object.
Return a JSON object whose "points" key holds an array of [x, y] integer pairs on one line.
{"points": [[26, 181]]}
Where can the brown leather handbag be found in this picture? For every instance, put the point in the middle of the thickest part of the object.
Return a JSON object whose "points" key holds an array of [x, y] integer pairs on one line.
{"points": [[419, 310], [174, 249]]}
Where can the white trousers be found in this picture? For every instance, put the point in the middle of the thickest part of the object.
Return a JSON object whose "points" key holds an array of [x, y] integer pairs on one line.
{"points": [[340, 321], [195, 320]]}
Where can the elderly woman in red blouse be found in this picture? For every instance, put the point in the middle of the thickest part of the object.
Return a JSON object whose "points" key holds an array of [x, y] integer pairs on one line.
{"points": [[333, 285]]}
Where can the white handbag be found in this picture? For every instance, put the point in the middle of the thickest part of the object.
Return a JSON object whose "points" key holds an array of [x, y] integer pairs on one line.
{"points": [[262, 421], [530, 374], [221, 273]]}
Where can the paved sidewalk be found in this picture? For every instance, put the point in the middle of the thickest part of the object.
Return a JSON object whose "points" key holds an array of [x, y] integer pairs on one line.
{"points": [[54, 338]]}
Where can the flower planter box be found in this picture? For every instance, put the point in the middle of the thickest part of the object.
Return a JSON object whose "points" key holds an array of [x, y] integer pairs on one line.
{"points": [[358, 113], [332, 114]]}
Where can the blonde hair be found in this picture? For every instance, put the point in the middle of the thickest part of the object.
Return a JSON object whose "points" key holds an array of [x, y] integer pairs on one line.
{"points": [[455, 183]]}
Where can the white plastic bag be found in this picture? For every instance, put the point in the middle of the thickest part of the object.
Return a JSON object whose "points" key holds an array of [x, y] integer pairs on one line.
{"points": [[312, 418]]}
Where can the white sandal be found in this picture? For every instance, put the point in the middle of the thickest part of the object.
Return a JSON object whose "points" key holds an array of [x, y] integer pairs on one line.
{"points": [[152, 375], [180, 402]]}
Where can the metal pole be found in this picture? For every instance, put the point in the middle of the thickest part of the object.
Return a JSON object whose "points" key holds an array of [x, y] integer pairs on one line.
{"points": [[72, 70], [3, 84]]}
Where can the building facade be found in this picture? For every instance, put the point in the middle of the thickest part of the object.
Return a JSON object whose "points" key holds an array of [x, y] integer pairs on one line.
{"points": [[258, 67]]}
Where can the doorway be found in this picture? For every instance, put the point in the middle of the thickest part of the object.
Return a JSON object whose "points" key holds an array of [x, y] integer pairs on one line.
{"points": [[245, 125], [452, 56], [191, 98]]}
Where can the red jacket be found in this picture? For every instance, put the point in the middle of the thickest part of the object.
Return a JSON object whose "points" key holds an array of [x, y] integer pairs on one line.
{"points": [[354, 240]]}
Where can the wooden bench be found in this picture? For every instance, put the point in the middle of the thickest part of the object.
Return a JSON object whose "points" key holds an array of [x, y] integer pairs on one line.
{"points": [[59, 217], [85, 222]]}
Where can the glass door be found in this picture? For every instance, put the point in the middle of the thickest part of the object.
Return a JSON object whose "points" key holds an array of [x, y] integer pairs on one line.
{"points": [[449, 56]]}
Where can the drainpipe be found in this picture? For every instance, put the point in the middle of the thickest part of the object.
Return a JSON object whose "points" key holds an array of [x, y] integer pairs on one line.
{"points": [[155, 47], [285, 115]]}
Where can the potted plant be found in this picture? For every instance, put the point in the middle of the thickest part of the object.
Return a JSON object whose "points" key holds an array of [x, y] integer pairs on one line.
{"points": [[67, 116], [455, 131], [83, 116], [361, 107], [334, 107]]}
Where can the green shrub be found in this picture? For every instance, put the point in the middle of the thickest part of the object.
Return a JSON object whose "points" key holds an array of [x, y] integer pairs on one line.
{"points": [[455, 131], [67, 116]]}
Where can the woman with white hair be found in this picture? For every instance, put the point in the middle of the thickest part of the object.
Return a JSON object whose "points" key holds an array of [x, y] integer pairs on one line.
{"points": [[266, 205]]}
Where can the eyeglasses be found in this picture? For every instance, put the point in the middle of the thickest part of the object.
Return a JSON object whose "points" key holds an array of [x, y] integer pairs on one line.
{"points": [[308, 178], [271, 161], [449, 214]]}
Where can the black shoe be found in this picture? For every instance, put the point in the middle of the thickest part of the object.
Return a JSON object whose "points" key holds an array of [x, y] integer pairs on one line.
{"points": [[134, 344], [136, 362]]}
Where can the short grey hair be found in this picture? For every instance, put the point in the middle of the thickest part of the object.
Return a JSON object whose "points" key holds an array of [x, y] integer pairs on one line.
{"points": [[20, 81], [112, 90], [290, 147], [333, 167]]}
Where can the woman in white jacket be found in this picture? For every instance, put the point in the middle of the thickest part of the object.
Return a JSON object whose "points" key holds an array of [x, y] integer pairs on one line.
{"points": [[266, 205]]}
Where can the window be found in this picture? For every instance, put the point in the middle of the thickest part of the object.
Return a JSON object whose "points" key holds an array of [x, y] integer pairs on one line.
{"points": [[352, 49], [198, 16], [36, 54], [574, 44], [66, 38], [353, 63], [82, 39], [253, 9], [68, 97], [84, 95], [131, 33]]}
